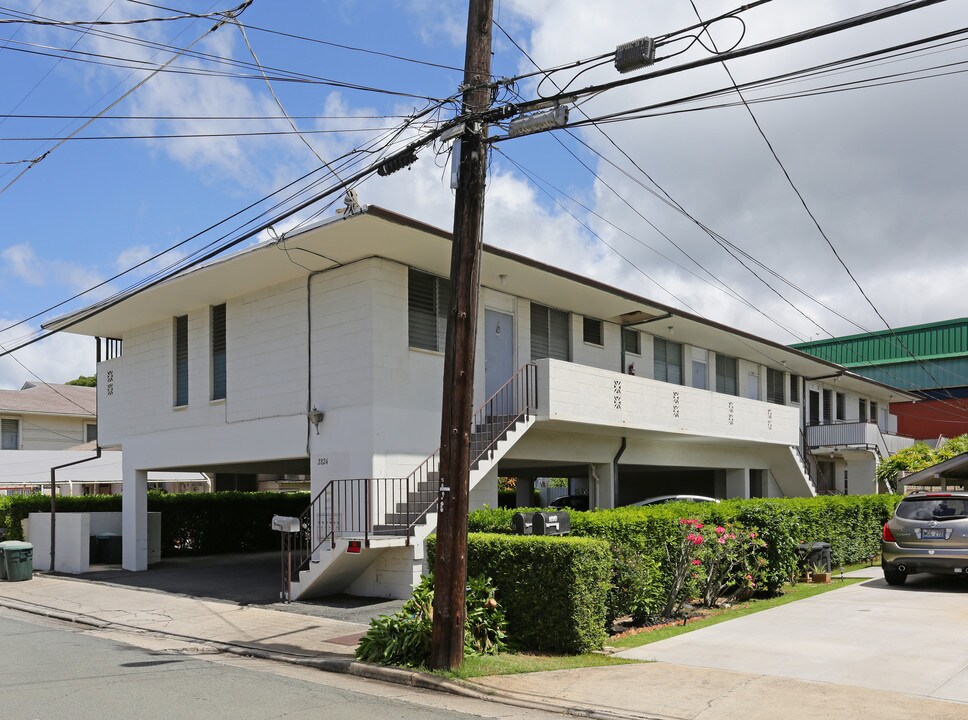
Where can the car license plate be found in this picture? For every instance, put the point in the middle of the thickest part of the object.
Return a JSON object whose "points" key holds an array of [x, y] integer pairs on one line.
{"points": [[933, 534]]}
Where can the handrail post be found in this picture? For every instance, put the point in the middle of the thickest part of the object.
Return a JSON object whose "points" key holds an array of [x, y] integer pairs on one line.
{"points": [[366, 512], [332, 517]]}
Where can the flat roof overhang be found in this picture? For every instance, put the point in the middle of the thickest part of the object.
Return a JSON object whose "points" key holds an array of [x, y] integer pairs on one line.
{"points": [[384, 234]]}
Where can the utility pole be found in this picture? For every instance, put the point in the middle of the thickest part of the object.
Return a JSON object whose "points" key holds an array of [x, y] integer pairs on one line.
{"points": [[450, 569]]}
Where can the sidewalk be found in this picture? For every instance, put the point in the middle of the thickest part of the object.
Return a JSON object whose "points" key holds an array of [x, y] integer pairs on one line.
{"points": [[648, 690]]}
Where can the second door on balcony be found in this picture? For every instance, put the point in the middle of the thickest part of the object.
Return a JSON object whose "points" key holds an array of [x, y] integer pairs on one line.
{"points": [[498, 358]]}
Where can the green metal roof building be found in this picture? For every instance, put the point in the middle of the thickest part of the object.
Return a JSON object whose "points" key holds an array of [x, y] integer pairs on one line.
{"points": [[929, 360]]}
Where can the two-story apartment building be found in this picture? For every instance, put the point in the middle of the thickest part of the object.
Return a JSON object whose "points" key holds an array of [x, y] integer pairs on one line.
{"points": [[321, 354]]}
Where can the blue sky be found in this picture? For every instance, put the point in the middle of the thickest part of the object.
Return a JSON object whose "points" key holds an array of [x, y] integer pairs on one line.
{"points": [[881, 168]]}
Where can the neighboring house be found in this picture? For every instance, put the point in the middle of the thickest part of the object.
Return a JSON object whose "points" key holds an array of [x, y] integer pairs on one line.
{"points": [[46, 425], [47, 416], [321, 355], [928, 361]]}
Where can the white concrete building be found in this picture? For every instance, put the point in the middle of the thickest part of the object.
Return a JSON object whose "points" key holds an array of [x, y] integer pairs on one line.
{"points": [[320, 354]]}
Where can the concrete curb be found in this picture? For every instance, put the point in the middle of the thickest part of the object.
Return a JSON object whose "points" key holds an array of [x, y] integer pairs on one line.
{"points": [[346, 666]]}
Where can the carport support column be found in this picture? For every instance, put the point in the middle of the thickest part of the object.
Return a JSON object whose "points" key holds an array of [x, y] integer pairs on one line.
{"points": [[602, 479], [524, 489], [738, 483], [134, 517]]}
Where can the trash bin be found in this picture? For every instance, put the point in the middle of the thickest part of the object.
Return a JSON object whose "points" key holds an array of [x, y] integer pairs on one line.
{"points": [[3, 565], [817, 553], [18, 560], [109, 548]]}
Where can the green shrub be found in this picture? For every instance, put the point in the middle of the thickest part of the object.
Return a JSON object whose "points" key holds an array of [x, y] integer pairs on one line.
{"points": [[553, 589], [638, 586], [404, 638]]}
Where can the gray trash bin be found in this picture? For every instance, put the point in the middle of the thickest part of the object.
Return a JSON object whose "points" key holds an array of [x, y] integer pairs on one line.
{"points": [[18, 560], [817, 553]]}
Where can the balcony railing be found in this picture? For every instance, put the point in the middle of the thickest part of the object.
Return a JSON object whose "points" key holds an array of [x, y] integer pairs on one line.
{"points": [[855, 434]]}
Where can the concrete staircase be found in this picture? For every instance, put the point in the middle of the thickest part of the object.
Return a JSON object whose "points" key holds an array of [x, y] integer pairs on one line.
{"points": [[333, 570]]}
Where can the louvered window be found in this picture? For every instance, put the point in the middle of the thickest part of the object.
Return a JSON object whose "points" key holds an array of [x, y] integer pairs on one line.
{"points": [[428, 298], [774, 386], [667, 361], [631, 340], [841, 410], [181, 361], [726, 374], [795, 388], [592, 331], [550, 334], [10, 430], [218, 352]]}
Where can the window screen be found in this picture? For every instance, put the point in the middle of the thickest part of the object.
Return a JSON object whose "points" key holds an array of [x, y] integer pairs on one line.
{"points": [[10, 430], [667, 361], [218, 352], [726, 374], [550, 335], [631, 341], [181, 360], [592, 331], [774, 386], [428, 298]]}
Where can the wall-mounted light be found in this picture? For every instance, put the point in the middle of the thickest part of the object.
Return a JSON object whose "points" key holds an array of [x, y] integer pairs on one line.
{"points": [[315, 417], [671, 329]]}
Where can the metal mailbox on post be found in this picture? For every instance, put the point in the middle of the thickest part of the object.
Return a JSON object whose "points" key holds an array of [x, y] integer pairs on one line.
{"points": [[551, 523]]}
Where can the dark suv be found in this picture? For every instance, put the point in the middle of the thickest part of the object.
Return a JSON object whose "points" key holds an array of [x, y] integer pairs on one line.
{"points": [[928, 534]]}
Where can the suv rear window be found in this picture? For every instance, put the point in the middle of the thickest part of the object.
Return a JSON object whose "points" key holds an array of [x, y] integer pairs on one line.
{"points": [[932, 508]]}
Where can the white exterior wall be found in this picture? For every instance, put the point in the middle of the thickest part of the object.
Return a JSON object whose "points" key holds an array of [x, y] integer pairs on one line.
{"points": [[574, 393]]}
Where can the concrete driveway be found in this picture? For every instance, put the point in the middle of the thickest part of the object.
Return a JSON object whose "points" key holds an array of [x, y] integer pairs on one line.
{"points": [[908, 639]]}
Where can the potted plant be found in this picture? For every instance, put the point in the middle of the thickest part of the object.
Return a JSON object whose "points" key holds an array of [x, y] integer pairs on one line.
{"points": [[820, 573]]}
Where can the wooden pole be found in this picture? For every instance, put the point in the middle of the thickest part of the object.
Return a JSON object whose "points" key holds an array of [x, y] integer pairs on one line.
{"points": [[450, 569]]}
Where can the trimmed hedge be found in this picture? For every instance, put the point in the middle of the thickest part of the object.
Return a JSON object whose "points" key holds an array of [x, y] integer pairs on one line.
{"points": [[851, 524], [192, 523], [553, 589]]}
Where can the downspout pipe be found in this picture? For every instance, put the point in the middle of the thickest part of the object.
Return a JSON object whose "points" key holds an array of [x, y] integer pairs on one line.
{"points": [[618, 456], [309, 355]]}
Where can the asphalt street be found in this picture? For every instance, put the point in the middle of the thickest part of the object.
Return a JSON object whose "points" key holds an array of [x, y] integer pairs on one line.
{"points": [[53, 670]]}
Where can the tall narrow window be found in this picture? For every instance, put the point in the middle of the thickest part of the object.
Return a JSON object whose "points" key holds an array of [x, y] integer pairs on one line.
{"points": [[774, 386], [794, 388], [726, 375], [218, 352], [828, 409], [667, 361], [592, 331], [90, 432], [428, 298], [862, 410], [550, 333], [181, 361], [873, 415], [10, 431], [841, 410]]}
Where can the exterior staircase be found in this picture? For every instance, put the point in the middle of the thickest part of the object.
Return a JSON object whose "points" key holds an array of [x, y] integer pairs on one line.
{"points": [[350, 522]]}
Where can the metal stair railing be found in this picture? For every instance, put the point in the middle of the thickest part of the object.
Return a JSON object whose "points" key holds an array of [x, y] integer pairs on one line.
{"points": [[348, 508]]}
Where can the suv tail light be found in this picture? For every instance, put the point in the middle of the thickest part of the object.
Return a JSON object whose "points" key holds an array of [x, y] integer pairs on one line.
{"points": [[888, 535]]}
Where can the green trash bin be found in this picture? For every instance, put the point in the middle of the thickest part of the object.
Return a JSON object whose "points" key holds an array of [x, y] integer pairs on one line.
{"points": [[3, 565], [18, 560]]}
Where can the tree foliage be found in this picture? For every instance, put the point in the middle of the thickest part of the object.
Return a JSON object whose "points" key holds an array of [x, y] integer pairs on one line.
{"points": [[84, 381], [918, 457]]}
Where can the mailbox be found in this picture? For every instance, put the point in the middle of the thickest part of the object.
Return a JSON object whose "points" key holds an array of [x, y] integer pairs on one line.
{"points": [[285, 524], [522, 523], [551, 523]]}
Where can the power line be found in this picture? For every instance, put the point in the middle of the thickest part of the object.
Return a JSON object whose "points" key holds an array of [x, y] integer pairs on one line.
{"points": [[116, 102], [132, 21], [810, 213], [328, 43]]}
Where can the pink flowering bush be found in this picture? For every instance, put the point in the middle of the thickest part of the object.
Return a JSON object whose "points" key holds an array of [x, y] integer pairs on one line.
{"points": [[714, 562]]}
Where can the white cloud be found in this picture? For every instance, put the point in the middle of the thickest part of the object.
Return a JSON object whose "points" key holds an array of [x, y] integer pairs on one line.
{"points": [[20, 261], [56, 359]]}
